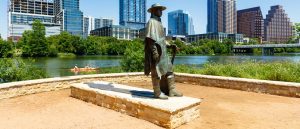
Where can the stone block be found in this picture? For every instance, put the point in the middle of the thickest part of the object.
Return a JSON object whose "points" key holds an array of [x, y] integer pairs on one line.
{"points": [[288, 89], [139, 103]]}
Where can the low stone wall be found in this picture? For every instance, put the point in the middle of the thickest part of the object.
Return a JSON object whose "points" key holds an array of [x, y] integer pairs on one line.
{"points": [[252, 85], [14, 89]]}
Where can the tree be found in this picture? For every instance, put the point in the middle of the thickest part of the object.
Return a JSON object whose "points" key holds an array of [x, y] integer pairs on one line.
{"points": [[80, 47], [228, 46], [65, 43], [133, 59], [6, 48], [96, 46], [117, 47], [52, 42], [297, 27], [34, 43], [24, 43], [184, 49], [253, 41]]}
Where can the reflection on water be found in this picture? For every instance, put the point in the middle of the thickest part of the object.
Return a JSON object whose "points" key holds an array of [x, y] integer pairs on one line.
{"points": [[56, 67]]}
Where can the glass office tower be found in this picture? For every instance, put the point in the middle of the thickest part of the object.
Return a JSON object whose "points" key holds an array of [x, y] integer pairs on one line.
{"points": [[180, 23], [69, 16], [102, 22], [133, 13], [221, 16], [91, 23], [117, 31], [212, 16], [22, 13]]}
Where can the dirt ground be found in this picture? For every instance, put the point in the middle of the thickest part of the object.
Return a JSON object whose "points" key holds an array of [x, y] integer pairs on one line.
{"points": [[220, 109]]}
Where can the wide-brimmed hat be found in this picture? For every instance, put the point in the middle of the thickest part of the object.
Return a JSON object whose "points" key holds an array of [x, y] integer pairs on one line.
{"points": [[156, 6]]}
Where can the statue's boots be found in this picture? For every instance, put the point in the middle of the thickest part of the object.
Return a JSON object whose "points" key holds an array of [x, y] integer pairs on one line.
{"points": [[157, 92], [172, 87]]}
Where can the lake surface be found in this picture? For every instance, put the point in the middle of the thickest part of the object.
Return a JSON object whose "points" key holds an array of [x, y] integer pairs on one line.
{"points": [[56, 67]]}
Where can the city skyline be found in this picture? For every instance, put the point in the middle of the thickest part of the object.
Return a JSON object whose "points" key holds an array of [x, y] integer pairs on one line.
{"points": [[197, 9]]}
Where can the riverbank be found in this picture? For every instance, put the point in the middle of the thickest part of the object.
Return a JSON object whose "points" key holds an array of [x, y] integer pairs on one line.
{"points": [[257, 67], [274, 71]]}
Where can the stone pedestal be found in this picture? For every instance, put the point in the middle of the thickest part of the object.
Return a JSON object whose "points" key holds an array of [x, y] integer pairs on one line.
{"points": [[139, 103]]}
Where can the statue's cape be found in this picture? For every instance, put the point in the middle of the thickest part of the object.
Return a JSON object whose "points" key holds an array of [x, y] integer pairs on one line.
{"points": [[155, 31], [148, 58]]}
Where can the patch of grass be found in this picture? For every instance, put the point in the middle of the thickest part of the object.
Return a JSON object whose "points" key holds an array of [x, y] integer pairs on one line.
{"points": [[66, 55], [111, 70], [276, 71]]}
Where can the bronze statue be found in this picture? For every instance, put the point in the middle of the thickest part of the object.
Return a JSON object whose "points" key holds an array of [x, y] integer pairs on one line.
{"points": [[156, 57]]}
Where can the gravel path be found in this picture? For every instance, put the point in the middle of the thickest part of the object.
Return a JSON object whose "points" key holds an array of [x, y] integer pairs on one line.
{"points": [[221, 109]]}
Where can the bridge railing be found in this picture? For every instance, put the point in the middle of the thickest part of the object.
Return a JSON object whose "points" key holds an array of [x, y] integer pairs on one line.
{"points": [[267, 46]]}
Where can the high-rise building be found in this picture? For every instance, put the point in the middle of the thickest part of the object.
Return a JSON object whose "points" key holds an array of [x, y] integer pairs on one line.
{"points": [[117, 31], [250, 22], [87, 26], [277, 25], [68, 14], [180, 23], [133, 13], [22, 13], [221, 16], [102, 22], [91, 23], [212, 16], [237, 38]]}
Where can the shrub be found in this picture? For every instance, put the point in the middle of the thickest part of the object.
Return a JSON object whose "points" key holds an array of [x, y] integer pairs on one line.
{"points": [[16, 70], [133, 59], [116, 69], [6, 48]]}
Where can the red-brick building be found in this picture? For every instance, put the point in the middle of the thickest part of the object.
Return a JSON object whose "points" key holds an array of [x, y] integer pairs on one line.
{"points": [[250, 22], [277, 26]]}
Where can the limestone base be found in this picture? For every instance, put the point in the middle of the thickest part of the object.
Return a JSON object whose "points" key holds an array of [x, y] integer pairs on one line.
{"points": [[139, 103]]}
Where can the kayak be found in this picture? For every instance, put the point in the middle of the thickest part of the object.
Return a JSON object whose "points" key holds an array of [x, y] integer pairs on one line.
{"points": [[84, 69]]}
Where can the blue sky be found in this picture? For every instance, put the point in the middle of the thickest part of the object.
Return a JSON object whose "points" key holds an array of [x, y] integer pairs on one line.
{"points": [[197, 9]]}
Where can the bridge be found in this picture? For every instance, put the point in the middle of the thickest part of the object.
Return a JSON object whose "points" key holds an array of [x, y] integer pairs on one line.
{"points": [[267, 49]]}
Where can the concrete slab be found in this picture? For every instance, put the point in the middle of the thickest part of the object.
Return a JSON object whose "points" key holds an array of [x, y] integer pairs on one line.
{"points": [[138, 102]]}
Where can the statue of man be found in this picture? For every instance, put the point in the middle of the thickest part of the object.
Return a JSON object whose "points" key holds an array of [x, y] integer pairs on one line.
{"points": [[156, 57]]}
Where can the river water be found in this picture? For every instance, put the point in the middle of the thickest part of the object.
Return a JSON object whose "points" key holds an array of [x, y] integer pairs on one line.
{"points": [[56, 67]]}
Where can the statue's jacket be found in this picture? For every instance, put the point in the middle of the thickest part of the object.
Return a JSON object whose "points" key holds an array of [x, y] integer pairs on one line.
{"points": [[155, 31]]}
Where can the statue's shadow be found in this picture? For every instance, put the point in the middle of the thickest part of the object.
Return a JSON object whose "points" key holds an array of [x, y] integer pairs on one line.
{"points": [[133, 93]]}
